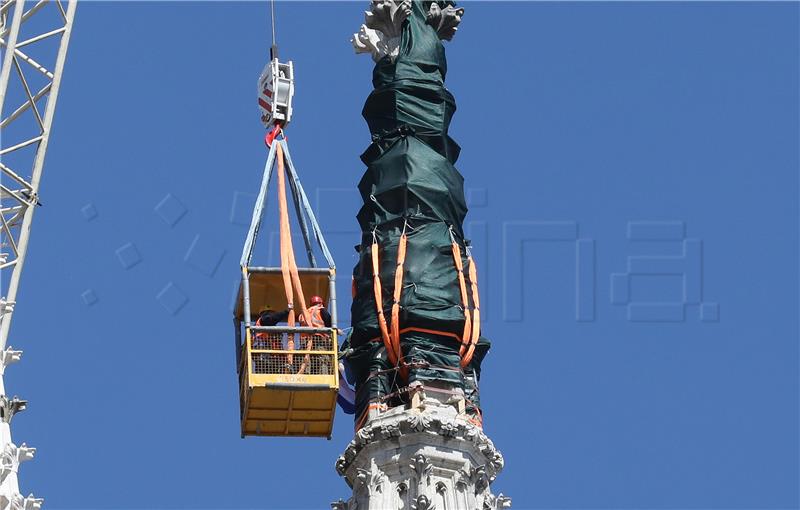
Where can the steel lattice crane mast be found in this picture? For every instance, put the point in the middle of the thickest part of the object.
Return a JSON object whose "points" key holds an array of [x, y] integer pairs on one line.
{"points": [[28, 94]]}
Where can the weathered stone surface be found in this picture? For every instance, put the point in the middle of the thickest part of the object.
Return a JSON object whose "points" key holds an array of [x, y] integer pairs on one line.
{"points": [[424, 458]]}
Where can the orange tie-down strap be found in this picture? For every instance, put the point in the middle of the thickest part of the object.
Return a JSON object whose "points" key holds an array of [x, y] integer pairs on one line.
{"points": [[476, 313], [398, 289], [424, 330], [465, 337], [478, 421], [404, 366], [363, 417], [378, 292]]}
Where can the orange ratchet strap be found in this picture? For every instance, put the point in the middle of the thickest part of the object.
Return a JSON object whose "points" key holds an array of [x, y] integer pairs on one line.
{"points": [[476, 312], [398, 289], [376, 286], [465, 338]]}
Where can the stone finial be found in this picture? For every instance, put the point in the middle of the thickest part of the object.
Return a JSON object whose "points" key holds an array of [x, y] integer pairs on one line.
{"points": [[339, 505], [8, 462], [6, 306], [12, 456], [25, 453], [422, 468], [387, 16], [402, 489], [445, 21], [383, 25], [368, 480], [367, 40], [492, 502], [28, 503], [10, 407], [480, 479], [10, 356], [422, 503], [31, 503], [503, 501]]}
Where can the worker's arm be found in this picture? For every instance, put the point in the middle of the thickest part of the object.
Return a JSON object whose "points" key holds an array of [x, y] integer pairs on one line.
{"points": [[326, 317], [282, 316], [272, 318]]}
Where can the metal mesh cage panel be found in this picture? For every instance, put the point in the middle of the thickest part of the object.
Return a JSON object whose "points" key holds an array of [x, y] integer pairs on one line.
{"points": [[290, 353]]}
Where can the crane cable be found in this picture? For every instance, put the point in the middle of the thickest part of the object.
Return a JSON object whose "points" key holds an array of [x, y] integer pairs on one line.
{"points": [[273, 52]]}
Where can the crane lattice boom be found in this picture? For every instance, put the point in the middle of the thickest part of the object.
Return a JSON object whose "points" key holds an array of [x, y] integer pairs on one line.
{"points": [[28, 93]]}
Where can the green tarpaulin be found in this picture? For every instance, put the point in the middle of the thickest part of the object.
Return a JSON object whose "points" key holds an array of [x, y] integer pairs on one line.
{"points": [[411, 185]]}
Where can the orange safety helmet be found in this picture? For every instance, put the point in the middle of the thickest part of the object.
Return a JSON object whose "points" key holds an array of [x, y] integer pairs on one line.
{"points": [[316, 300]]}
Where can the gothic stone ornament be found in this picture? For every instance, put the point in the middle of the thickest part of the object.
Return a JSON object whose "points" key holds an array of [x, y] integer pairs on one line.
{"points": [[9, 356], [432, 455], [18, 502], [445, 21], [492, 502], [10, 407], [387, 16], [369, 481], [380, 34], [439, 420], [12, 456], [422, 503], [422, 468], [502, 501], [367, 40], [480, 479]]}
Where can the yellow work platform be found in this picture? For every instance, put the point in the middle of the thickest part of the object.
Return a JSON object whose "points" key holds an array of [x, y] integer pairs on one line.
{"points": [[288, 377]]}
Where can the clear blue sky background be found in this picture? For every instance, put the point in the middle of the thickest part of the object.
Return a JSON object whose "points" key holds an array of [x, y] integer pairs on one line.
{"points": [[615, 121]]}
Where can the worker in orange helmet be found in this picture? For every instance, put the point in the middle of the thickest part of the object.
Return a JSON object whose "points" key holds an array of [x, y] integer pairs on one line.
{"points": [[319, 317]]}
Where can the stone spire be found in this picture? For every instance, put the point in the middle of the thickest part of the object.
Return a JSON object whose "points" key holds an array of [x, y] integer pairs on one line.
{"points": [[416, 346], [423, 458]]}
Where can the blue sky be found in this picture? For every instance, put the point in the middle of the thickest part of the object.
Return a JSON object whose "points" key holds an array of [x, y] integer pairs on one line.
{"points": [[607, 149]]}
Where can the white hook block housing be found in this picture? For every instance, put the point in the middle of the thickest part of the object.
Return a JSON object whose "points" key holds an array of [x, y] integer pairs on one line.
{"points": [[275, 92]]}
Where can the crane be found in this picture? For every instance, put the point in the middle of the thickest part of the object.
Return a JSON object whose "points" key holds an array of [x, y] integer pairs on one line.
{"points": [[28, 95], [289, 376]]}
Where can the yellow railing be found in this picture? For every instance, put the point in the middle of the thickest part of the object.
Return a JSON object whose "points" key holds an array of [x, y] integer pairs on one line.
{"points": [[288, 353]]}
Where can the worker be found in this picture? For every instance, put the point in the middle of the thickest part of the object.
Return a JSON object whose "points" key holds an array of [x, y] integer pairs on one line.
{"points": [[270, 363], [269, 317], [319, 317]]}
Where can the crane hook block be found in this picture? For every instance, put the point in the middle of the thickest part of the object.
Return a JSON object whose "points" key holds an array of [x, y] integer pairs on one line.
{"points": [[275, 91]]}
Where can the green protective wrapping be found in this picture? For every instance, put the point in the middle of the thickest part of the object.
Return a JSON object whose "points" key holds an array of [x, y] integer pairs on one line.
{"points": [[411, 186], [370, 367], [472, 375]]}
